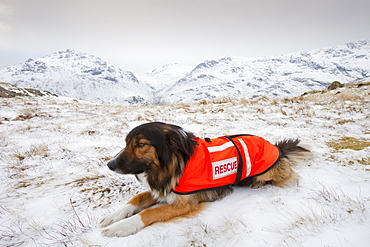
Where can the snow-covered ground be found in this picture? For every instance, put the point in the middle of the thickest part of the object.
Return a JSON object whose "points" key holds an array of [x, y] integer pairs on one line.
{"points": [[55, 186]]}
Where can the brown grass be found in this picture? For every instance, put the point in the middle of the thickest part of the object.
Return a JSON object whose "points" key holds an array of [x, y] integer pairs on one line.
{"points": [[349, 143]]}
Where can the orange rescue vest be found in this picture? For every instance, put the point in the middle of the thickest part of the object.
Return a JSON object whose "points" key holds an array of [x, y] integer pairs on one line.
{"points": [[225, 161]]}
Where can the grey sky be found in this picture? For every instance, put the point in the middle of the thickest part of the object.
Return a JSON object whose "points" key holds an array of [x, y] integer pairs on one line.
{"points": [[141, 35]]}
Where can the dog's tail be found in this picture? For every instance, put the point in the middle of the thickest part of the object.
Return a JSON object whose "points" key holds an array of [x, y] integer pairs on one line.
{"points": [[290, 149]]}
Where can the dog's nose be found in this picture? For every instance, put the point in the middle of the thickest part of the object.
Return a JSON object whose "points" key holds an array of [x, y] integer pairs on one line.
{"points": [[112, 165]]}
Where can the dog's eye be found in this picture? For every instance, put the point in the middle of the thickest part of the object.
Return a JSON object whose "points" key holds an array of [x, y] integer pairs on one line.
{"points": [[141, 144]]}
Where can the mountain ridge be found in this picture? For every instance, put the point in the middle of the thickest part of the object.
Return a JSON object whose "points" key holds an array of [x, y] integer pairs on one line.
{"points": [[78, 75], [86, 77], [283, 76]]}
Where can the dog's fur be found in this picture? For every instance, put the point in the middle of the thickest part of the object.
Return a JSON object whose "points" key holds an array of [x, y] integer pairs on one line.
{"points": [[157, 153]]}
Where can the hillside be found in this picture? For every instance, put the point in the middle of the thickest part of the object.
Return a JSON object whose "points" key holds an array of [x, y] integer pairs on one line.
{"points": [[86, 77], [78, 75], [279, 76], [8, 90], [56, 186]]}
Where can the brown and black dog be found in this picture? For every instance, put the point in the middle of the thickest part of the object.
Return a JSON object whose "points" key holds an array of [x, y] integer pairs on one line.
{"points": [[160, 155]]}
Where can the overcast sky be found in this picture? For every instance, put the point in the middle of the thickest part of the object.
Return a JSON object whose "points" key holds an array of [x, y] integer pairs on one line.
{"points": [[141, 35]]}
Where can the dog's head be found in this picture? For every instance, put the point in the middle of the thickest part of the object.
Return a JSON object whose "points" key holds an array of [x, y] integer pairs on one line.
{"points": [[154, 146]]}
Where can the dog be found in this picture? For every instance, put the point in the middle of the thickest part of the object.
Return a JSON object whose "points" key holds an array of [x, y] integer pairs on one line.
{"points": [[185, 171]]}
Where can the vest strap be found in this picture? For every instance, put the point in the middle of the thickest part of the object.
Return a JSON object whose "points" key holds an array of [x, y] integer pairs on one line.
{"points": [[240, 164]]}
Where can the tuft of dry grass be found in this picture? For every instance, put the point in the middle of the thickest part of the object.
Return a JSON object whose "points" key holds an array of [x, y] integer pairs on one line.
{"points": [[362, 161], [344, 121], [348, 96], [35, 150], [84, 179], [27, 114], [348, 143]]}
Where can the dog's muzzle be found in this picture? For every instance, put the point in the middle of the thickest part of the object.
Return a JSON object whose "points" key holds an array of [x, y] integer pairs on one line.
{"points": [[112, 165]]}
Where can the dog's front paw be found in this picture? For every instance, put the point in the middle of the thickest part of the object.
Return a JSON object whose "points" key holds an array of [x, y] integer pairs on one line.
{"points": [[126, 211], [124, 227]]}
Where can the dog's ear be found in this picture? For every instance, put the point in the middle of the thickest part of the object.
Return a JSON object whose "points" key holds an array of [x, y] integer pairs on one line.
{"points": [[176, 142], [181, 142]]}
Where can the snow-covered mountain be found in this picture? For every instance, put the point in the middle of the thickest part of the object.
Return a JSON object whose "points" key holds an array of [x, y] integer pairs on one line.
{"points": [[78, 75], [165, 76], [282, 76]]}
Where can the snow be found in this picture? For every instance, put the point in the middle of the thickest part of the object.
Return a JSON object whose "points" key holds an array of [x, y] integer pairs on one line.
{"points": [[286, 75], [79, 75], [165, 76], [56, 186], [86, 77]]}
